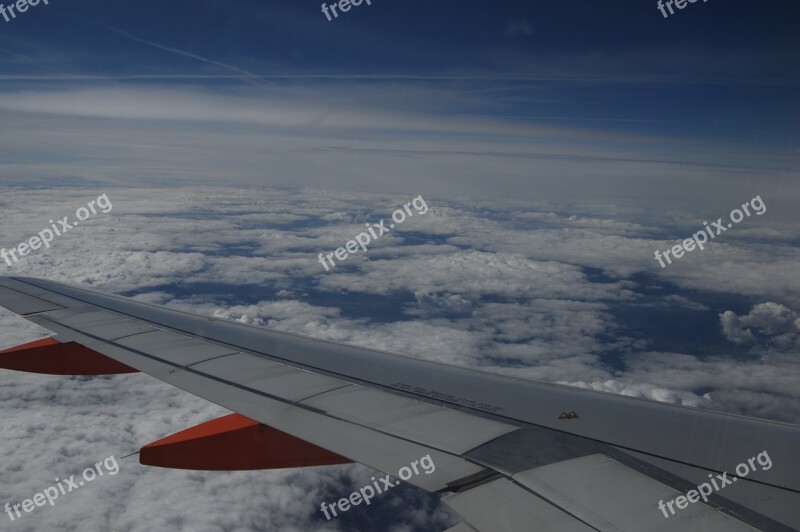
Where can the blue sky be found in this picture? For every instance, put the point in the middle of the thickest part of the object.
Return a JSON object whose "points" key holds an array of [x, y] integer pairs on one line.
{"points": [[545, 98], [718, 70]]}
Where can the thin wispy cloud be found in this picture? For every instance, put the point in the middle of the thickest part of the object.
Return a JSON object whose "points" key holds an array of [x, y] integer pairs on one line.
{"points": [[183, 53]]}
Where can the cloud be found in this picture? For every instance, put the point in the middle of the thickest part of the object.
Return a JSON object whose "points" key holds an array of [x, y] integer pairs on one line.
{"points": [[436, 137], [644, 391], [774, 322]]}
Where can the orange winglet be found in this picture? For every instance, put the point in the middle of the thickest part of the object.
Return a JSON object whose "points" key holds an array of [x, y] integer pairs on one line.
{"points": [[235, 443], [54, 358]]}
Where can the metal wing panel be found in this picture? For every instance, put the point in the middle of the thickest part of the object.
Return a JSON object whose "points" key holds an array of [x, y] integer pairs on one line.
{"points": [[36, 291], [439, 427], [503, 506], [297, 385], [754, 499], [104, 324], [594, 492], [368, 406], [24, 304], [580, 486], [180, 350], [239, 367]]}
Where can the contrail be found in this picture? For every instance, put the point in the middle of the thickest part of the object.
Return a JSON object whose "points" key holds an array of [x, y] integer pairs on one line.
{"points": [[190, 55], [31, 60]]}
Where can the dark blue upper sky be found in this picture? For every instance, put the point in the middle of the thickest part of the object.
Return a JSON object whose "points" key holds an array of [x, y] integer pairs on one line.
{"points": [[567, 59], [702, 87]]}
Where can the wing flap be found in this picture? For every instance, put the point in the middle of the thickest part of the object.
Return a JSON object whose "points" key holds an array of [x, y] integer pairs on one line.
{"points": [[445, 429], [592, 492], [24, 304], [580, 486], [504, 506], [103, 324], [173, 348]]}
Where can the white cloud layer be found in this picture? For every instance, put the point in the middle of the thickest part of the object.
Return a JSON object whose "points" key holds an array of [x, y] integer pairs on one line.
{"points": [[512, 287]]}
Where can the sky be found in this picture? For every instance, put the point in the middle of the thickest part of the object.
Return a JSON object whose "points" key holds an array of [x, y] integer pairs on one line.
{"points": [[561, 98], [557, 145]]}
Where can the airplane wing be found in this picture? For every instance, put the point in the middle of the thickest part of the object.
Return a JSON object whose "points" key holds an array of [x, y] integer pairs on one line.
{"points": [[509, 454]]}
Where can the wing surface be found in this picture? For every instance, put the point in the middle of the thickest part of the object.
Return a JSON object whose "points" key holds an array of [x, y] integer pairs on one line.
{"points": [[509, 454]]}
